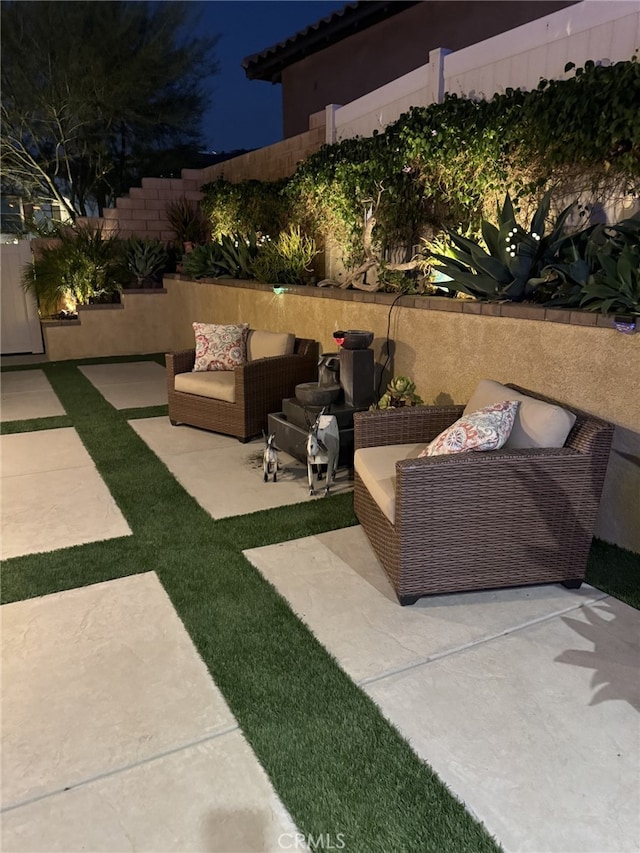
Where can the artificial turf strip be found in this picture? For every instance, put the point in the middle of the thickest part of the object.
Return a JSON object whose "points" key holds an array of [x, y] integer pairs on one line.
{"points": [[337, 765], [616, 571], [53, 422], [147, 412]]}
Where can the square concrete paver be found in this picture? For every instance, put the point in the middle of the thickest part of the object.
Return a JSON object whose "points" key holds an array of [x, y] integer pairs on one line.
{"points": [[224, 475], [114, 735], [27, 394], [212, 797], [95, 680], [335, 583], [537, 732], [525, 701], [52, 494], [129, 385]]}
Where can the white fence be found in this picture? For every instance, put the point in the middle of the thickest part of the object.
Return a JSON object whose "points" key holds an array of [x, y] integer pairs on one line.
{"points": [[20, 324], [600, 30]]}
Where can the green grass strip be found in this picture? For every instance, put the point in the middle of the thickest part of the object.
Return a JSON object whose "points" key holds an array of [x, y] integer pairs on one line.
{"points": [[36, 424], [616, 571], [146, 412], [336, 763]]}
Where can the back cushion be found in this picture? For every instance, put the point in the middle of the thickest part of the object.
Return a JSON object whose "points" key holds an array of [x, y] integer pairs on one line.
{"points": [[537, 424], [262, 344]]}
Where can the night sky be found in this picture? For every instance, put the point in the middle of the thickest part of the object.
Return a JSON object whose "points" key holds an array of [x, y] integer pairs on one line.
{"points": [[248, 113]]}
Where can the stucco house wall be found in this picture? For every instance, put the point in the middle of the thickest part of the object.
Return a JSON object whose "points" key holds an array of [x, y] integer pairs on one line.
{"points": [[372, 57]]}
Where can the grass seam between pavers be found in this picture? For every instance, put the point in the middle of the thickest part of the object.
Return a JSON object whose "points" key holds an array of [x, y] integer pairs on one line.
{"points": [[337, 765]]}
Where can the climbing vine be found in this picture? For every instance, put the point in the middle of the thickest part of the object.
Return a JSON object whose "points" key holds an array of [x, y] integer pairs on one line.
{"points": [[447, 164]]}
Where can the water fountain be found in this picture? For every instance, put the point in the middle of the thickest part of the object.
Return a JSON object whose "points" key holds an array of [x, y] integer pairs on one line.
{"points": [[345, 385]]}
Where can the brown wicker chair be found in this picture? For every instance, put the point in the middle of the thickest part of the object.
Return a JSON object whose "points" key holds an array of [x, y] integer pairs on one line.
{"points": [[475, 521], [260, 387]]}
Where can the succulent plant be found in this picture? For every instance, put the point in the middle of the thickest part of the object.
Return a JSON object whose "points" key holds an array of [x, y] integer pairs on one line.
{"points": [[144, 258], [401, 391], [516, 257], [205, 261]]}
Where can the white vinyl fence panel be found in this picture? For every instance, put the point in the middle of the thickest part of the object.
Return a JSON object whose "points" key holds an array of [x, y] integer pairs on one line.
{"points": [[20, 325], [604, 31], [600, 30], [383, 106]]}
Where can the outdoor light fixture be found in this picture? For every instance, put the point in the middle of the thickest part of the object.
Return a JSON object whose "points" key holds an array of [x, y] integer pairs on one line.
{"points": [[626, 325], [278, 290]]}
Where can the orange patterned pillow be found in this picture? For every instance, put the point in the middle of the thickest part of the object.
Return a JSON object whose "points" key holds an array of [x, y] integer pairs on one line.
{"points": [[486, 429], [220, 347]]}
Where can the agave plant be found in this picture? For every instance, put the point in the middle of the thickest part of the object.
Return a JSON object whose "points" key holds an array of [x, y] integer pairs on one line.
{"points": [[603, 269], [205, 261], [615, 287], [512, 265], [145, 259]]}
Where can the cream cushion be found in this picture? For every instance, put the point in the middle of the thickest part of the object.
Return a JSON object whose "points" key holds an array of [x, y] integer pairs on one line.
{"points": [[537, 424], [376, 467], [217, 384], [261, 344]]}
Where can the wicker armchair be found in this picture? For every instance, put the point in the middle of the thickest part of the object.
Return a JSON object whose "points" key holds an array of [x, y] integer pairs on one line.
{"points": [[475, 521], [260, 387]]}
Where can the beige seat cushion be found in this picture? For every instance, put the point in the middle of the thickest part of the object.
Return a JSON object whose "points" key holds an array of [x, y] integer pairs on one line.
{"points": [[537, 424], [217, 384], [261, 344], [376, 467]]}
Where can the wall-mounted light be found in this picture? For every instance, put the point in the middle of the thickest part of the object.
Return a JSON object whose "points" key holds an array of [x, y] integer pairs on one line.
{"points": [[279, 290]]}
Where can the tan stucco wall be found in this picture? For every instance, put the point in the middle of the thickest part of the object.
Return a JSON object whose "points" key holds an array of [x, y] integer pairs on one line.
{"points": [[141, 325], [445, 353]]}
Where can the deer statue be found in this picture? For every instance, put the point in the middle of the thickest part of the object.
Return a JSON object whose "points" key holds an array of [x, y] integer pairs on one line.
{"points": [[270, 459], [323, 446]]}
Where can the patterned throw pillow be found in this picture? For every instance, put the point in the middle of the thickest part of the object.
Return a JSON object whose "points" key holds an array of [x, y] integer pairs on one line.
{"points": [[220, 347], [486, 429]]}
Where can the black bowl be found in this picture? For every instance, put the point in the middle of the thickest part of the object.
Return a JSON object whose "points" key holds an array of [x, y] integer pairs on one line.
{"points": [[357, 339]]}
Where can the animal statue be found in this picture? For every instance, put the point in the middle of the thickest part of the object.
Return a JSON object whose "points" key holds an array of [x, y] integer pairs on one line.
{"points": [[323, 446], [270, 461]]}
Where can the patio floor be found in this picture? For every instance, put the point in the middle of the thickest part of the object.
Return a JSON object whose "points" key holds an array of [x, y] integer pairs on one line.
{"points": [[526, 702]]}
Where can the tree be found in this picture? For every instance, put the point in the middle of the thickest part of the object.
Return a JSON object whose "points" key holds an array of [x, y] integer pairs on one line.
{"points": [[89, 90]]}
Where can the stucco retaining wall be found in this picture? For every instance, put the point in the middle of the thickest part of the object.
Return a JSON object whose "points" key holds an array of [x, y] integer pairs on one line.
{"points": [[140, 324], [444, 345]]}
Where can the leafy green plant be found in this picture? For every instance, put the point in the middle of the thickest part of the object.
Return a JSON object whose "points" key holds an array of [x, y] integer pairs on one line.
{"points": [[187, 221], [145, 260], [260, 206], [83, 267], [401, 391], [286, 260]]}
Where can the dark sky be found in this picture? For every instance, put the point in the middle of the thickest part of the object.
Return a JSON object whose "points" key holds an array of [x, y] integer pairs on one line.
{"points": [[248, 113]]}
